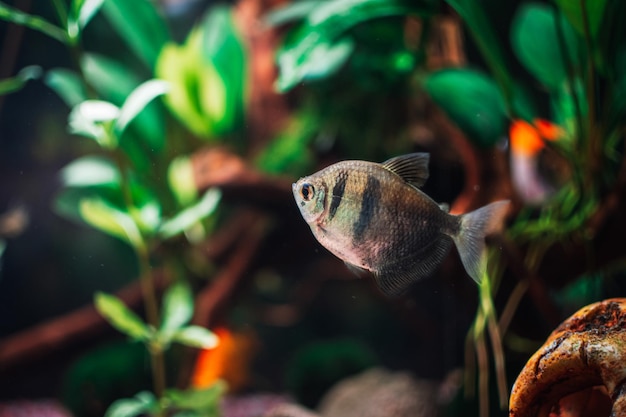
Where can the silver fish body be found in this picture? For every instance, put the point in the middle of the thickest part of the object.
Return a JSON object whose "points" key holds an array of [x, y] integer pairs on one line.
{"points": [[374, 217]]}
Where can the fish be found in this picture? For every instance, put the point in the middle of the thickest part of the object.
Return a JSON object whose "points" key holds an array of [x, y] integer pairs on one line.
{"points": [[375, 218]]}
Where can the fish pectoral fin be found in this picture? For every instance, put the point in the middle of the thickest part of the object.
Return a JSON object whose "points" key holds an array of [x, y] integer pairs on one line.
{"points": [[396, 278], [357, 270], [412, 168]]}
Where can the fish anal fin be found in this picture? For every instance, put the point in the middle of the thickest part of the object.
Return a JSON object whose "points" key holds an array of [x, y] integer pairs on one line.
{"points": [[356, 270], [394, 279], [412, 168]]}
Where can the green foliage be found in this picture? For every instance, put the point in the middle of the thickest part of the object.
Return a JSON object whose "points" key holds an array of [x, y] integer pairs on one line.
{"points": [[322, 44], [67, 84], [197, 402], [546, 44], [142, 403], [585, 16], [289, 152], [146, 33], [207, 76], [120, 317], [37, 23], [177, 311], [191, 215], [472, 100], [10, 85]]}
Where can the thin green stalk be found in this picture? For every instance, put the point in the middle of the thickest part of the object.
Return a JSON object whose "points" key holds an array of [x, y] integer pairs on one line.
{"points": [[594, 145], [146, 280], [489, 313], [570, 79], [157, 359], [483, 365]]}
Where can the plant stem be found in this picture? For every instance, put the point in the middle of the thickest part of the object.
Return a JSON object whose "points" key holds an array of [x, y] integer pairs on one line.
{"points": [[157, 359]]}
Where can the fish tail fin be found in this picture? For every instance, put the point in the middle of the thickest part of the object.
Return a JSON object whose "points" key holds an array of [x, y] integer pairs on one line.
{"points": [[470, 241]]}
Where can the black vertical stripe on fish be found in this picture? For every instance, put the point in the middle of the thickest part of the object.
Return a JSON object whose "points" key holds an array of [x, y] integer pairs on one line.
{"points": [[370, 200], [337, 194]]}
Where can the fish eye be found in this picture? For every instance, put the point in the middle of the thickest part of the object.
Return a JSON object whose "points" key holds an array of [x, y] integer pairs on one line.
{"points": [[307, 191]]}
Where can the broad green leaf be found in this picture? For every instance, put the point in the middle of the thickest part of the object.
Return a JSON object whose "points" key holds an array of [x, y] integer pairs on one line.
{"points": [[579, 10], [212, 94], [10, 85], [206, 399], [67, 84], [92, 119], [40, 24], [223, 49], [121, 317], [191, 215], [81, 12], [181, 180], [181, 69], [535, 36], [138, 100], [139, 23], [321, 61], [482, 30], [111, 220], [289, 152], [311, 50], [290, 12], [472, 101], [114, 81], [196, 336], [111, 79], [90, 171], [143, 403], [177, 306]]}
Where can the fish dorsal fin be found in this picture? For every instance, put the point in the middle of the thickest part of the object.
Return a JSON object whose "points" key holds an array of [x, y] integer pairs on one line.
{"points": [[412, 168]]}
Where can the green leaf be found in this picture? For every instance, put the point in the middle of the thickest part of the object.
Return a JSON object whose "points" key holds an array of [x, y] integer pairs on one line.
{"points": [[472, 100], [191, 215], [196, 336], [121, 317], [10, 85], [181, 66], [535, 40], [207, 399], [321, 61], [139, 24], [103, 216], [177, 306], [138, 100], [92, 119], [223, 49], [593, 11], [289, 152], [37, 23], [81, 12], [90, 171], [484, 35], [143, 403], [114, 81], [289, 13], [67, 84], [320, 46], [180, 178]]}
